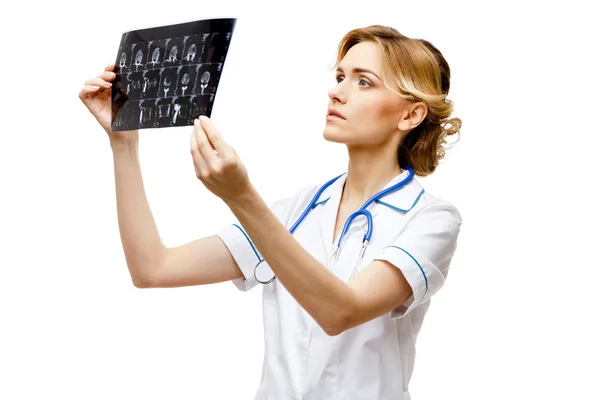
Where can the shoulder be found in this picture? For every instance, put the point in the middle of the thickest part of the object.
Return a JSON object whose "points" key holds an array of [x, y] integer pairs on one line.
{"points": [[436, 211], [429, 205], [285, 207], [413, 200]]}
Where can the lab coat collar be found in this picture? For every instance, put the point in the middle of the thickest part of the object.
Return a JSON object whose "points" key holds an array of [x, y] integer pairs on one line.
{"points": [[402, 201]]}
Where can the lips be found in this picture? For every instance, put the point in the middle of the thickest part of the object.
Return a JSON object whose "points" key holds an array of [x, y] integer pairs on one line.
{"points": [[335, 113]]}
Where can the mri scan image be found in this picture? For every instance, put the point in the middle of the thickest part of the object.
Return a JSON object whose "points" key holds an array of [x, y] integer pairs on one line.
{"points": [[168, 75], [186, 80], [208, 78], [138, 60]]}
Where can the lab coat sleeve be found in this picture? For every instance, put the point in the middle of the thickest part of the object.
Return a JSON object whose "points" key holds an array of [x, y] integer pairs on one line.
{"points": [[243, 251], [423, 252], [245, 254]]}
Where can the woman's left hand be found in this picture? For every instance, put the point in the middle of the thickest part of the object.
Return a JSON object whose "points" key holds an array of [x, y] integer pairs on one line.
{"points": [[222, 173]]}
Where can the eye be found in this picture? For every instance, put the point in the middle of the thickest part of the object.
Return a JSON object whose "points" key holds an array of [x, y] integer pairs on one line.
{"points": [[362, 82]]}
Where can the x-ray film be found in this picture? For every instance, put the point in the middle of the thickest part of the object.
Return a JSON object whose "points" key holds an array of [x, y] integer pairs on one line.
{"points": [[168, 76]]}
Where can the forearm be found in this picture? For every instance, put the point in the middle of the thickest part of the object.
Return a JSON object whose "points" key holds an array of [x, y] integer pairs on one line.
{"points": [[142, 245], [326, 298]]}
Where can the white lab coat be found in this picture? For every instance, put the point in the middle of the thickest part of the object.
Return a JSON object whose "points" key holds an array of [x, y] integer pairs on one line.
{"points": [[415, 231]]}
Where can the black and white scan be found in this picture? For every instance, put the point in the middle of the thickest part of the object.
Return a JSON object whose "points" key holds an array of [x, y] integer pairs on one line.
{"points": [[168, 76]]}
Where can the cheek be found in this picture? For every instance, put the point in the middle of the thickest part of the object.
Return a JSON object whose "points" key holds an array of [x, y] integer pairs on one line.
{"points": [[389, 109], [378, 113]]}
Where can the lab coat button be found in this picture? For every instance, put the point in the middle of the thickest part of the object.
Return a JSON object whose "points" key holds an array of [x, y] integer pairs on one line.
{"points": [[304, 333]]}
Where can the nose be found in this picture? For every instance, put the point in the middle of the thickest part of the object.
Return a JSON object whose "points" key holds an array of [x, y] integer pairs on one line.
{"points": [[338, 93]]}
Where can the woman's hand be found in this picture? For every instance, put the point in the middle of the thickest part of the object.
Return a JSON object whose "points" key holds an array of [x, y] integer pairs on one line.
{"points": [[222, 173], [96, 95]]}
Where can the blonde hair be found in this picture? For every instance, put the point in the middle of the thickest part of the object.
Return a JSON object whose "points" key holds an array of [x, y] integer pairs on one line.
{"points": [[419, 73]]}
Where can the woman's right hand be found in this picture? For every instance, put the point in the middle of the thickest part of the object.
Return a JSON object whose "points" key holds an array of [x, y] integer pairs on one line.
{"points": [[96, 95]]}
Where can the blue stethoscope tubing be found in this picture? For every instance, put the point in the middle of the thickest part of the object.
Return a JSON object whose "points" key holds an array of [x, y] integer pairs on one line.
{"points": [[266, 270]]}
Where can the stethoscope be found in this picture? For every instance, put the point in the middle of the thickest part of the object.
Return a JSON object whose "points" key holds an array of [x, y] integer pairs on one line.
{"points": [[264, 274]]}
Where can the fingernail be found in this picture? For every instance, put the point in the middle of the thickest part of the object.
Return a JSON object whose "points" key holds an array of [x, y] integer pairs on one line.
{"points": [[203, 118]]}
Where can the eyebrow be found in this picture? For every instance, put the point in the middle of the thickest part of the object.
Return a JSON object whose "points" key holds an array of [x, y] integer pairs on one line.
{"points": [[360, 70]]}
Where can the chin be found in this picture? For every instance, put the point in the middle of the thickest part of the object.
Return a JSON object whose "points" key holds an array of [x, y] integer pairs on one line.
{"points": [[332, 134]]}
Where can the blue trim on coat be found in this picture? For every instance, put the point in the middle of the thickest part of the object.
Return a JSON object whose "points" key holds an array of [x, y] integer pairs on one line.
{"points": [[419, 265], [249, 241]]}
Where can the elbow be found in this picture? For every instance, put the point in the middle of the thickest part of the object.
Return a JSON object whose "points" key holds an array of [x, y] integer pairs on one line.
{"points": [[140, 284], [342, 320], [142, 281], [346, 316], [144, 275], [337, 325], [332, 331]]}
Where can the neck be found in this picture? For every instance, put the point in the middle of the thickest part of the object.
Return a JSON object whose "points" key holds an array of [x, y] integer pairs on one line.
{"points": [[368, 173]]}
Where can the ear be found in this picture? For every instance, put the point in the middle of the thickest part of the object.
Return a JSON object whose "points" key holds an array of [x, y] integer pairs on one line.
{"points": [[414, 115]]}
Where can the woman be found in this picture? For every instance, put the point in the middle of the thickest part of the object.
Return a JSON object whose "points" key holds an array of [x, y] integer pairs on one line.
{"points": [[335, 328]]}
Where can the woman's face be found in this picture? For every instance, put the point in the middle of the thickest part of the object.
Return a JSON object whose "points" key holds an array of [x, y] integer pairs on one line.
{"points": [[371, 112]]}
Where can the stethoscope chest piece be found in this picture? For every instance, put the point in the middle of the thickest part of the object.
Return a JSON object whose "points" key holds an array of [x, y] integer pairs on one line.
{"points": [[263, 273]]}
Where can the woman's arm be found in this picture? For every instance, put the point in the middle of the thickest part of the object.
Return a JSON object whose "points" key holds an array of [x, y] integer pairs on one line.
{"points": [[142, 245], [150, 263]]}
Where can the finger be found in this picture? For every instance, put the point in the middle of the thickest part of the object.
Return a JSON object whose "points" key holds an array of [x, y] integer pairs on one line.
{"points": [[90, 88], [199, 164], [204, 145], [109, 67], [87, 89], [213, 134], [98, 82], [107, 75]]}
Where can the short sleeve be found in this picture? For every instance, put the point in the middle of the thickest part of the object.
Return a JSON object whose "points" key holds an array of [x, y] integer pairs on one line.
{"points": [[243, 251], [423, 252]]}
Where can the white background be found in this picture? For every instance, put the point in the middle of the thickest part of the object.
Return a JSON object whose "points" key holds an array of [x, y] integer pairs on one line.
{"points": [[518, 316]]}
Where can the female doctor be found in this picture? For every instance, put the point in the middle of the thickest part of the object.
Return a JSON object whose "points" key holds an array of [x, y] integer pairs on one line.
{"points": [[347, 266]]}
